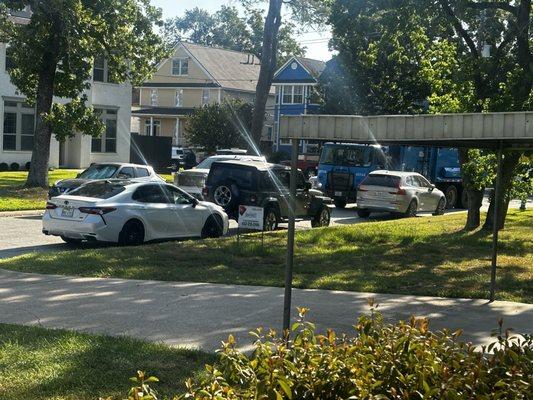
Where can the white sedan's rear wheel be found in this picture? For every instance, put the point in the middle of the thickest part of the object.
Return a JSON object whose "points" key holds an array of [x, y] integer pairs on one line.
{"points": [[132, 234]]}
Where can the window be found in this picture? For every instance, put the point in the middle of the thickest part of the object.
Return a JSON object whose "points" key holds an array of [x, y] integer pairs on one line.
{"points": [[422, 182], [19, 126], [101, 71], [99, 171], [99, 190], [179, 98], [180, 66], [154, 97], [151, 194], [349, 156], [126, 172], [9, 60], [381, 180], [141, 172], [107, 143], [206, 94], [176, 196], [293, 94], [152, 127]]}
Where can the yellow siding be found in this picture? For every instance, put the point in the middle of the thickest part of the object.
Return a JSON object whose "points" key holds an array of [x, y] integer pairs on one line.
{"points": [[195, 75]]}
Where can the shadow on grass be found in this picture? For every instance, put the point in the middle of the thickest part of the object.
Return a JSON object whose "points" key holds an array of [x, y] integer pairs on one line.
{"points": [[62, 364]]}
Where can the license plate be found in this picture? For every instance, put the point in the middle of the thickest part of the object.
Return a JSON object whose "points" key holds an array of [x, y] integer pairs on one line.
{"points": [[67, 212], [338, 193]]}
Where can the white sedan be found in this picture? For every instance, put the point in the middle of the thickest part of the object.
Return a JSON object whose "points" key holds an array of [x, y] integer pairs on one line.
{"points": [[130, 213]]}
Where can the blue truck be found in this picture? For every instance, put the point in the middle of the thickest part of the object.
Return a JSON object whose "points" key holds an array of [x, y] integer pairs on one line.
{"points": [[343, 166]]}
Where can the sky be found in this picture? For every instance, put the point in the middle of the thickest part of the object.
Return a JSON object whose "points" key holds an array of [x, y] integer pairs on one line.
{"points": [[315, 42]]}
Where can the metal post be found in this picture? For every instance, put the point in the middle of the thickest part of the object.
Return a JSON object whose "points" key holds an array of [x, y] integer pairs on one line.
{"points": [[290, 239], [496, 225]]}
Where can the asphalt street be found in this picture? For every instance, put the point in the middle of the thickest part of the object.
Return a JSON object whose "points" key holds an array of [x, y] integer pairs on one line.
{"points": [[21, 234]]}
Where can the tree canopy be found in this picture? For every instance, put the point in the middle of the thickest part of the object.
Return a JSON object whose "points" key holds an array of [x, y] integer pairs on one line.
{"points": [[227, 29], [53, 55], [218, 125]]}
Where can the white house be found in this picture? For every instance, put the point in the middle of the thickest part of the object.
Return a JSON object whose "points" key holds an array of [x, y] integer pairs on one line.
{"points": [[112, 101]]}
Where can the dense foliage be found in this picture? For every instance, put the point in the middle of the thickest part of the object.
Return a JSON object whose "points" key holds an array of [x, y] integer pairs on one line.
{"points": [[382, 361], [52, 57], [218, 125], [225, 28]]}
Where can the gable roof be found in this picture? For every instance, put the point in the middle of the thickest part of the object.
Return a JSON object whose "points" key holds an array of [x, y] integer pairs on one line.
{"points": [[314, 67], [230, 69], [307, 71]]}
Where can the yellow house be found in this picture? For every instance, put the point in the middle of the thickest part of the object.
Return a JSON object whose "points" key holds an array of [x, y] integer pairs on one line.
{"points": [[194, 76]]}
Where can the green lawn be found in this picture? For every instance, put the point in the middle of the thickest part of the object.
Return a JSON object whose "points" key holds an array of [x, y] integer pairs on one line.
{"points": [[422, 256], [39, 364], [14, 197]]}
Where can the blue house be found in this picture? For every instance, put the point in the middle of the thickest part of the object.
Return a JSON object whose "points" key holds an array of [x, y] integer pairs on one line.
{"points": [[295, 84]]}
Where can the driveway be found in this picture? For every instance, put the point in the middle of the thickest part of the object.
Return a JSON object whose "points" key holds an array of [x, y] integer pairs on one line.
{"points": [[200, 315]]}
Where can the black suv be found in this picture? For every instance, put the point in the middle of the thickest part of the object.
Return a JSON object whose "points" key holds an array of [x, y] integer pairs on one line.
{"points": [[256, 183]]}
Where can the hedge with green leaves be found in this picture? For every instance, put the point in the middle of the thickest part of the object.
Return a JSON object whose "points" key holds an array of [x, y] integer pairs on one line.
{"points": [[381, 361]]}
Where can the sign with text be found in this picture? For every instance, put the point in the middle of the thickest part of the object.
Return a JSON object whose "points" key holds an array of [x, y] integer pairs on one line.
{"points": [[251, 217]]}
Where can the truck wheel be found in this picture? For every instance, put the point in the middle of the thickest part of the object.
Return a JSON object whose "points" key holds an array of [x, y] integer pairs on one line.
{"points": [[339, 203], [361, 213], [322, 218], [464, 199], [271, 219], [451, 196]]}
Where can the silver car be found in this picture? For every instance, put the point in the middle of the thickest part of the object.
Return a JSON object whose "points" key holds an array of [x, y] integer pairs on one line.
{"points": [[398, 192]]}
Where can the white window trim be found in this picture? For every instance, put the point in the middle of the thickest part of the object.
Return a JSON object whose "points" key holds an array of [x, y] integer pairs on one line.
{"points": [[180, 60], [179, 98], [152, 125], [154, 97], [206, 97], [19, 111], [292, 94]]}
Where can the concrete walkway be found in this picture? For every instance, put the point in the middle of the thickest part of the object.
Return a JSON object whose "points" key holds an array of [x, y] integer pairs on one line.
{"points": [[201, 315]]}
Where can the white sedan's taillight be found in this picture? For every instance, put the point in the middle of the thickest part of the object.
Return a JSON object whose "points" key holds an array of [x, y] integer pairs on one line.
{"points": [[96, 210]]}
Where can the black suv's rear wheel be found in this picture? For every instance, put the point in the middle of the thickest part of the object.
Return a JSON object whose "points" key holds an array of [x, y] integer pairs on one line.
{"points": [[272, 218], [226, 194], [322, 218]]}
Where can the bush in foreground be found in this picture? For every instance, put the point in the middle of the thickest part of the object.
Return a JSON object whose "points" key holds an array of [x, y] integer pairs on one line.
{"points": [[382, 361]]}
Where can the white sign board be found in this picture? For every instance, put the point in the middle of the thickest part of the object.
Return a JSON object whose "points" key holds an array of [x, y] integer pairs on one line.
{"points": [[251, 217]]}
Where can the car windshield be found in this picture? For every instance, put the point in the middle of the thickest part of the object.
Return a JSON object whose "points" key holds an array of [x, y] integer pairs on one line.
{"points": [[350, 156], [99, 190], [100, 171], [381, 180]]}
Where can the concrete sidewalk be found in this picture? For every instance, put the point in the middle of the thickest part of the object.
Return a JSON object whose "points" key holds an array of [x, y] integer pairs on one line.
{"points": [[201, 315]]}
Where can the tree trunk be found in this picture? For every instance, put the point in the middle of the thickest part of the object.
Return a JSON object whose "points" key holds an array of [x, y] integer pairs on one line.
{"points": [[268, 67], [475, 196], [38, 174], [525, 84], [509, 164]]}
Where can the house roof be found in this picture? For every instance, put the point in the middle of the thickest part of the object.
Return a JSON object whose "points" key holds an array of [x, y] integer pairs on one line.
{"points": [[230, 69], [314, 67], [180, 85]]}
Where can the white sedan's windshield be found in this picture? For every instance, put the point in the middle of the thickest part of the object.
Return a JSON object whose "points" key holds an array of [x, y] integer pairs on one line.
{"points": [[99, 172]]}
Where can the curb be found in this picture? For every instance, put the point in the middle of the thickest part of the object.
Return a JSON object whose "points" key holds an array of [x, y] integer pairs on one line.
{"points": [[21, 213]]}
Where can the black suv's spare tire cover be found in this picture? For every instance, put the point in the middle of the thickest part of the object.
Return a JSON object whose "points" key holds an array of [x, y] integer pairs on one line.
{"points": [[226, 195]]}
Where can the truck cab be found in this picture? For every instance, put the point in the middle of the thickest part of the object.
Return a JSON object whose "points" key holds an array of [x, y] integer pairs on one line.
{"points": [[343, 166]]}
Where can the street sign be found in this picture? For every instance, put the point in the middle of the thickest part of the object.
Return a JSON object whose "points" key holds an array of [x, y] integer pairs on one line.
{"points": [[251, 217]]}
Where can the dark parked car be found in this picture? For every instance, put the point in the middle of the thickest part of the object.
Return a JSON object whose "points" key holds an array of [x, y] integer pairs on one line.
{"points": [[183, 158], [105, 171], [255, 183]]}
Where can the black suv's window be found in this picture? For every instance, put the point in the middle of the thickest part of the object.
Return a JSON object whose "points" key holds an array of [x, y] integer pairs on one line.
{"points": [[151, 194], [284, 177], [98, 190], [241, 175], [381, 180]]}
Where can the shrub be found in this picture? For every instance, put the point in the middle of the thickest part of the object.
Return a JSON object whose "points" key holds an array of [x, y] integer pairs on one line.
{"points": [[382, 361], [4, 167], [27, 166], [14, 166]]}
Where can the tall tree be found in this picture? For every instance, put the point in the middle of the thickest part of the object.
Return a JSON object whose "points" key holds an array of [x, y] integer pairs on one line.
{"points": [[306, 12], [53, 57], [226, 28], [416, 55]]}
